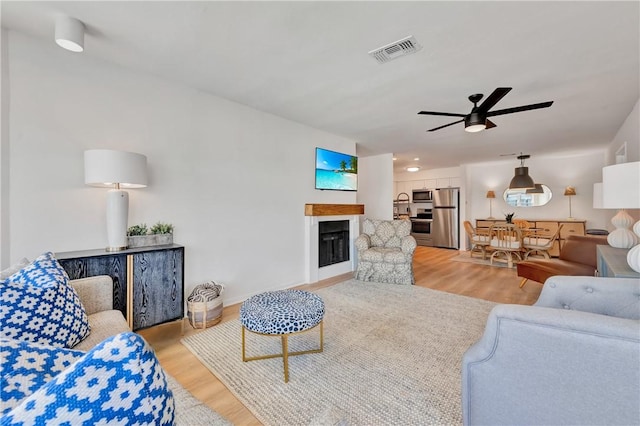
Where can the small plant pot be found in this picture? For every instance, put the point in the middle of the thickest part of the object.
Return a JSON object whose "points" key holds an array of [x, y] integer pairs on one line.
{"points": [[149, 240]]}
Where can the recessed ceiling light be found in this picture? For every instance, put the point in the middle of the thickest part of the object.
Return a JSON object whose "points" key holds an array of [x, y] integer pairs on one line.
{"points": [[413, 169], [416, 159], [395, 158], [69, 33]]}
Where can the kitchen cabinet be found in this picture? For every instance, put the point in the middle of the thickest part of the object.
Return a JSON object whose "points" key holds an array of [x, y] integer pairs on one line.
{"points": [[449, 182], [431, 183], [548, 227], [417, 184], [148, 282], [403, 186]]}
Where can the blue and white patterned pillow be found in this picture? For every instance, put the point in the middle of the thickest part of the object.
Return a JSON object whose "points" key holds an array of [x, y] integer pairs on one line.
{"points": [[41, 271], [37, 304], [118, 381], [25, 367]]}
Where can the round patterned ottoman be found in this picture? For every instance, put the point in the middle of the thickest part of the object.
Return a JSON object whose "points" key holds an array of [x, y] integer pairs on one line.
{"points": [[282, 313]]}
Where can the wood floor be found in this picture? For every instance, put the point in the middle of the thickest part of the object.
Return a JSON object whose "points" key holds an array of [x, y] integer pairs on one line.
{"points": [[433, 269]]}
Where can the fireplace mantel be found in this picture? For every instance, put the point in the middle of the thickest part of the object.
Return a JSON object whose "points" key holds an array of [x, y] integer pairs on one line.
{"points": [[333, 209]]}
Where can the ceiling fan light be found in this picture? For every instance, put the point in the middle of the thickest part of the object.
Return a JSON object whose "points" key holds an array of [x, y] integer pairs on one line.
{"points": [[474, 123], [475, 128], [521, 179]]}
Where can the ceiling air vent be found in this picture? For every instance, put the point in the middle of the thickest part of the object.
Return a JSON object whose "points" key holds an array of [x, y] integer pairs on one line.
{"points": [[405, 46]]}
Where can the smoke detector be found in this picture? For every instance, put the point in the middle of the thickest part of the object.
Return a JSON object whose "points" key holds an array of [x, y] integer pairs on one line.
{"points": [[402, 47]]}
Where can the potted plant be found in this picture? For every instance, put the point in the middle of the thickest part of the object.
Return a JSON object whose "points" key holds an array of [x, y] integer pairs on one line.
{"points": [[158, 234], [509, 217]]}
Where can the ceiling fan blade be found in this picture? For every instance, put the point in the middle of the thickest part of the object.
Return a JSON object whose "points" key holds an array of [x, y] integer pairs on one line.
{"points": [[519, 109], [490, 124], [446, 114], [493, 99], [446, 125]]}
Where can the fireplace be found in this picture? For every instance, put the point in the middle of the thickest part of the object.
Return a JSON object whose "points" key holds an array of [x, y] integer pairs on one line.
{"points": [[333, 242], [316, 215]]}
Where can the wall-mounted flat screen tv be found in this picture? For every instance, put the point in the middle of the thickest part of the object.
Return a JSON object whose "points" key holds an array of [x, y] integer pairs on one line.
{"points": [[336, 171]]}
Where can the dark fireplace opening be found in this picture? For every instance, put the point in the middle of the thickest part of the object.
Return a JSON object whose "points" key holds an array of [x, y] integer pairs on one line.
{"points": [[333, 242]]}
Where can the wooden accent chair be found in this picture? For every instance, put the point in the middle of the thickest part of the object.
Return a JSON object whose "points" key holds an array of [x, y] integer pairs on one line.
{"points": [[539, 243], [577, 257], [479, 239], [506, 241]]}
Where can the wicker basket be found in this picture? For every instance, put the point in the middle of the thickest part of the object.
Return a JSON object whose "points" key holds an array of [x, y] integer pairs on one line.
{"points": [[204, 305]]}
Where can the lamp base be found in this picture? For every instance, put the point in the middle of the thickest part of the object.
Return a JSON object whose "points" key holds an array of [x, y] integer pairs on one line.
{"points": [[633, 258], [117, 212], [622, 237]]}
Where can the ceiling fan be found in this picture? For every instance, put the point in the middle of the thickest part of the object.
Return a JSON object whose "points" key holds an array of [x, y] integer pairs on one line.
{"points": [[478, 118]]}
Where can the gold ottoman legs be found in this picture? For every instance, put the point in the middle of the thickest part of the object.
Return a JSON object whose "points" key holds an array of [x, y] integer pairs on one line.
{"points": [[285, 348]]}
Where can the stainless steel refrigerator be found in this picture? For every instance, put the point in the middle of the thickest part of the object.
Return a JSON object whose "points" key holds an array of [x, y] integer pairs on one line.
{"points": [[446, 231]]}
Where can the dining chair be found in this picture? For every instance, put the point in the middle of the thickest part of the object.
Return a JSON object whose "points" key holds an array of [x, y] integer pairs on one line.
{"points": [[522, 223], [479, 239], [539, 243], [506, 243]]}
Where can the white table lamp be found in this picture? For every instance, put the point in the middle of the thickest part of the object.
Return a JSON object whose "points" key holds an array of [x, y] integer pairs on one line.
{"points": [[117, 170], [621, 189]]}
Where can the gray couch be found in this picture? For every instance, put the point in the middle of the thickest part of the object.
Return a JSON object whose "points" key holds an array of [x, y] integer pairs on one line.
{"points": [[96, 294], [571, 358]]}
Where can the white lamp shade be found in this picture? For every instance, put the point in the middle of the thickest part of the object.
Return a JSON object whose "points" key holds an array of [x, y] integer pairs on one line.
{"points": [[621, 186], [70, 33], [105, 168], [597, 195]]}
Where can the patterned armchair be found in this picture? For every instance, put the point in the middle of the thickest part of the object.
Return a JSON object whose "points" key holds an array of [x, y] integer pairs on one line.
{"points": [[385, 252]]}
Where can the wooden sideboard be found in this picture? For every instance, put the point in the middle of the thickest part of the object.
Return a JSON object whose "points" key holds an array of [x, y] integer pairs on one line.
{"points": [[547, 226], [148, 283]]}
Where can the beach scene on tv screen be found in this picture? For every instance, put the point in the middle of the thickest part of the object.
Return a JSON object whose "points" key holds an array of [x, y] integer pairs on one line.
{"points": [[336, 171]]}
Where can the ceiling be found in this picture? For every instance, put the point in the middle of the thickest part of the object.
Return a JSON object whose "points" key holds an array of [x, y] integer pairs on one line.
{"points": [[308, 62]]}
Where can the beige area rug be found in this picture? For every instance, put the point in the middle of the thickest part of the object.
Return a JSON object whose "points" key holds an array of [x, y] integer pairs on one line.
{"points": [[392, 356], [476, 259], [191, 411]]}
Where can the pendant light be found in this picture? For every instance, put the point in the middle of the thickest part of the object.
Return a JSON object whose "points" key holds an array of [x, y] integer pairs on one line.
{"points": [[522, 180], [537, 190]]}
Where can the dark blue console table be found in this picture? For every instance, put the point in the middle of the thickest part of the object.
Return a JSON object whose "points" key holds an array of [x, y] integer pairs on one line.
{"points": [[148, 282]]}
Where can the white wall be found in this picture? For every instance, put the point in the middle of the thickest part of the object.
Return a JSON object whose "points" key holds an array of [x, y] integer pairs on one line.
{"points": [[628, 136], [428, 174], [232, 180], [4, 149], [557, 172], [375, 186]]}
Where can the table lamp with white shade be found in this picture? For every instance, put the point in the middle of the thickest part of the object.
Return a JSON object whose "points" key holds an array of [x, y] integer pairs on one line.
{"points": [[621, 190], [117, 170]]}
